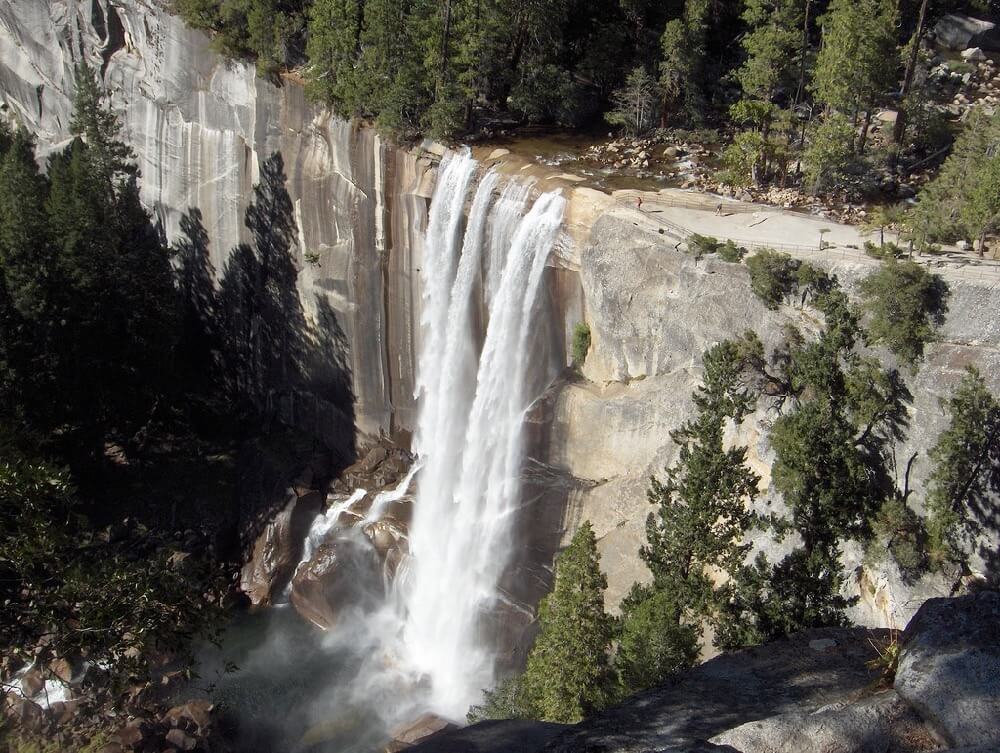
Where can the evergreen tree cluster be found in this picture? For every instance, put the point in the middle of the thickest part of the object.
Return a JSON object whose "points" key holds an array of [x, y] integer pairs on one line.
{"points": [[87, 298], [794, 84]]}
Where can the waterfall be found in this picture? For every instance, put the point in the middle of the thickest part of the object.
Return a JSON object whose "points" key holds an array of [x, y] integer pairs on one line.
{"points": [[469, 429]]}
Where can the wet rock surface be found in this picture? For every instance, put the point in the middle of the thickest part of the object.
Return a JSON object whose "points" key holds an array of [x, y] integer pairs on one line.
{"points": [[278, 549]]}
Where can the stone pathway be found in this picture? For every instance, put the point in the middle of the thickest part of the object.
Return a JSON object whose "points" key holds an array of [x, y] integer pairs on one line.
{"points": [[680, 213]]}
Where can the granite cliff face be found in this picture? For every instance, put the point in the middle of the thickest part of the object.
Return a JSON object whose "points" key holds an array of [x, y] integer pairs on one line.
{"points": [[203, 127]]}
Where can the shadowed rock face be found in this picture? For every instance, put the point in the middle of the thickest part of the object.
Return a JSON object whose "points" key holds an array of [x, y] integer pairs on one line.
{"points": [[202, 129]]}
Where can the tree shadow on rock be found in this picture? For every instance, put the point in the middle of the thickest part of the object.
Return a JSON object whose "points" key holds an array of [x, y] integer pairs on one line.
{"points": [[198, 349], [277, 363]]}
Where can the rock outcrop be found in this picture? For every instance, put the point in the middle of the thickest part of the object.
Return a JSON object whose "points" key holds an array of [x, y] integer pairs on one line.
{"points": [[653, 310], [949, 668], [814, 692]]}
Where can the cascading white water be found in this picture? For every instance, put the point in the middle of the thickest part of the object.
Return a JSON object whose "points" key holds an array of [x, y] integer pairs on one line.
{"points": [[469, 426], [503, 222]]}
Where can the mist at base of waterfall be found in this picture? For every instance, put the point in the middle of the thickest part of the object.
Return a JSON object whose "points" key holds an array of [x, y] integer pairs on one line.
{"points": [[292, 688]]}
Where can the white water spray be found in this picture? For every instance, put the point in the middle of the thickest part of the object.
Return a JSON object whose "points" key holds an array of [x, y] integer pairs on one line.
{"points": [[469, 426]]}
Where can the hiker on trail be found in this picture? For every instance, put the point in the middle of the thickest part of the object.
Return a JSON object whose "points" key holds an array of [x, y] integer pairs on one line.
{"points": [[718, 210], [639, 204]]}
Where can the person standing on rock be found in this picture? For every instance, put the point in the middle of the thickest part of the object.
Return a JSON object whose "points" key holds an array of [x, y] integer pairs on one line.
{"points": [[638, 204]]}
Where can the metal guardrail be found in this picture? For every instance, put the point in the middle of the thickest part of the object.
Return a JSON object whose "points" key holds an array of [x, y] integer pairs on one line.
{"points": [[965, 268]]}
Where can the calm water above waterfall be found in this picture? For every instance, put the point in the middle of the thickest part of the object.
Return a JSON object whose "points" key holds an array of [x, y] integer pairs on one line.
{"points": [[428, 641]]}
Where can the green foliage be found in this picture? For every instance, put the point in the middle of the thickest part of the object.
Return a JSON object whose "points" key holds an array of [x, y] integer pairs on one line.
{"points": [[701, 519], [764, 601], [653, 643], [268, 31], [505, 701], [852, 74], [941, 213], [981, 211], [884, 251], [71, 593], [635, 104], [581, 343], [830, 155], [846, 411], [966, 472], [772, 276], [906, 303], [699, 245], [730, 252], [771, 45], [89, 299], [569, 674], [682, 62], [900, 531]]}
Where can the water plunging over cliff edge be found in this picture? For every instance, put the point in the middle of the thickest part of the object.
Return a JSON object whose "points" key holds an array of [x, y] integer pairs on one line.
{"points": [[472, 406]]}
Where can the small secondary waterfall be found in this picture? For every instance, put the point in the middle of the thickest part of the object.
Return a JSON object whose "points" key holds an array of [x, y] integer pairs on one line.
{"points": [[471, 410]]}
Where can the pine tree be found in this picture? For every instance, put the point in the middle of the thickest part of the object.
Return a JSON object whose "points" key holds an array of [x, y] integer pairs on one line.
{"points": [[941, 214], [852, 75], [682, 46], [333, 49], [702, 517], [111, 159], [966, 471], [771, 45], [981, 211], [635, 104], [568, 674]]}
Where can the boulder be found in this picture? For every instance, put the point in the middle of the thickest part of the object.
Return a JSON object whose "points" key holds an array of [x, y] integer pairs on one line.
{"points": [[32, 682], [949, 668], [341, 571], [194, 716], [958, 32], [181, 740], [277, 550], [24, 713], [874, 725], [421, 728], [974, 54]]}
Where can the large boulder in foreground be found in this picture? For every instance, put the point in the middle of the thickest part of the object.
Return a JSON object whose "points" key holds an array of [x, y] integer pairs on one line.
{"points": [[949, 668], [876, 724]]}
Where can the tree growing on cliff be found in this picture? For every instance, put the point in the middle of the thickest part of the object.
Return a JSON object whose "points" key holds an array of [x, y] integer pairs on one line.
{"points": [[966, 475], [831, 469], [569, 674], [703, 513], [906, 304]]}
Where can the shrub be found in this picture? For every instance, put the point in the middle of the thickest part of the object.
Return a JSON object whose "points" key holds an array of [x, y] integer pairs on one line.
{"points": [[883, 251], [772, 276], [907, 303], [505, 701], [581, 343], [730, 252], [900, 531], [654, 643], [699, 245]]}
